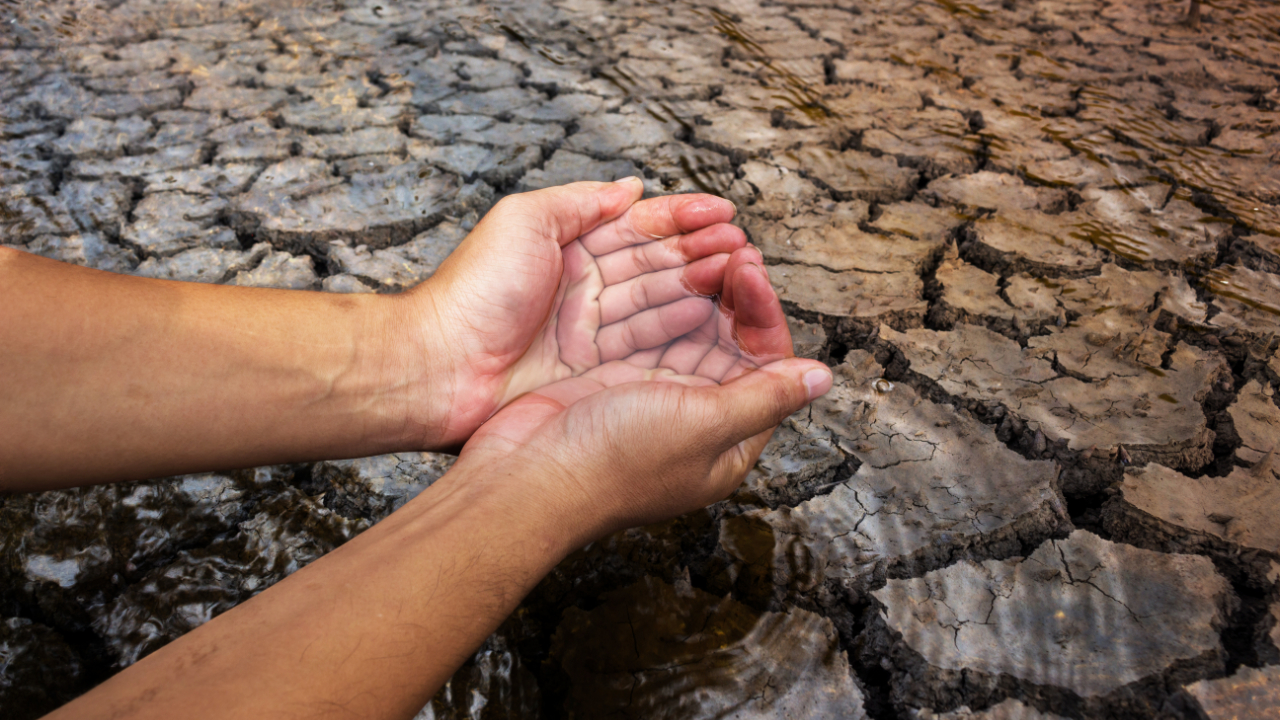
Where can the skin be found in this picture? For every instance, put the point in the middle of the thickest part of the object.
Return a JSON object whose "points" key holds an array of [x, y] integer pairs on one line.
{"points": [[568, 345], [110, 377]]}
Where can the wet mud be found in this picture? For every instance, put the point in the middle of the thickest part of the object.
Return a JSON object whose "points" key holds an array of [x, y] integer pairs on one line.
{"points": [[1037, 240]]}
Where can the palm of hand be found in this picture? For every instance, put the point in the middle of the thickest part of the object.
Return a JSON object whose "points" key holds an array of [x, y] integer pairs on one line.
{"points": [[582, 281], [697, 342], [628, 305]]}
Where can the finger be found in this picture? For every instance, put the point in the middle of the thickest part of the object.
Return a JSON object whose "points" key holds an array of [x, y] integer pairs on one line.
{"points": [[651, 328], [732, 466], [699, 278], [622, 265], [579, 316], [658, 218], [748, 255], [760, 400], [566, 212], [758, 321]]}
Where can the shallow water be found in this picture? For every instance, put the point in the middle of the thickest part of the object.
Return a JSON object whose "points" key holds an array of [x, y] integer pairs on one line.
{"points": [[1038, 239]]}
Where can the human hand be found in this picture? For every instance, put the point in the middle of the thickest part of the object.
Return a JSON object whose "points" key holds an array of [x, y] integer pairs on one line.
{"points": [[608, 452], [554, 283]]}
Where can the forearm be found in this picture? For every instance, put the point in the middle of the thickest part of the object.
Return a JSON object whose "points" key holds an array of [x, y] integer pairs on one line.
{"points": [[110, 377], [371, 630]]}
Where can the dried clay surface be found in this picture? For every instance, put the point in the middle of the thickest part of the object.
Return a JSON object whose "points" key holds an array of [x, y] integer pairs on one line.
{"points": [[1008, 710], [1248, 695], [1038, 240], [1117, 615], [1232, 516], [913, 503]]}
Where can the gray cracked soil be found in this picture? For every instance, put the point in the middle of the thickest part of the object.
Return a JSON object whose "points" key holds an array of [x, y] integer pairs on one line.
{"points": [[1038, 240]]}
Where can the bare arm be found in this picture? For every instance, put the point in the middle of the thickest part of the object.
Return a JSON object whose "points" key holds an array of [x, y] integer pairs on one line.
{"points": [[370, 630], [109, 377], [376, 627]]}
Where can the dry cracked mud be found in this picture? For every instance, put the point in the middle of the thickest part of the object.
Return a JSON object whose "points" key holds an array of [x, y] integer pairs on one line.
{"points": [[1038, 240]]}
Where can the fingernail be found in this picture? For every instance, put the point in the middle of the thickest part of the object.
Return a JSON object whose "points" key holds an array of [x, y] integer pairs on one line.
{"points": [[817, 382], [628, 179]]}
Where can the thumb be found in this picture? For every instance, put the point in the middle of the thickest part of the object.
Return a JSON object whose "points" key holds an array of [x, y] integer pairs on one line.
{"points": [[758, 401], [566, 212]]}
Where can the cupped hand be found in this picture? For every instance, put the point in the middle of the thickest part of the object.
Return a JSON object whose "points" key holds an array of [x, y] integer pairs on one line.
{"points": [[556, 283], [607, 450]]}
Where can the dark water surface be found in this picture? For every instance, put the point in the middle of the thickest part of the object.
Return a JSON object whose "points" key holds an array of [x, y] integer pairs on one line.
{"points": [[1039, 240]]}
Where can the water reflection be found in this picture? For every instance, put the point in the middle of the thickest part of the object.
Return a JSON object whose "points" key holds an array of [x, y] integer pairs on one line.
{"points": [[303, 144]]}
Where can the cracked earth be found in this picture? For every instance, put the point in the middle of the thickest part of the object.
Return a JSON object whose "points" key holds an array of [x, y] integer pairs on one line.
{"points": [[1037, 240]]}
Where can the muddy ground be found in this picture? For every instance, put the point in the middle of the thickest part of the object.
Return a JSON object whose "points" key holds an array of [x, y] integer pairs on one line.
{"points": [[1039, 242]]}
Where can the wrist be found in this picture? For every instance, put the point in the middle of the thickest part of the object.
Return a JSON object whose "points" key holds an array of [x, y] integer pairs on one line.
{"points": [[513, 502], [409, 370]]}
